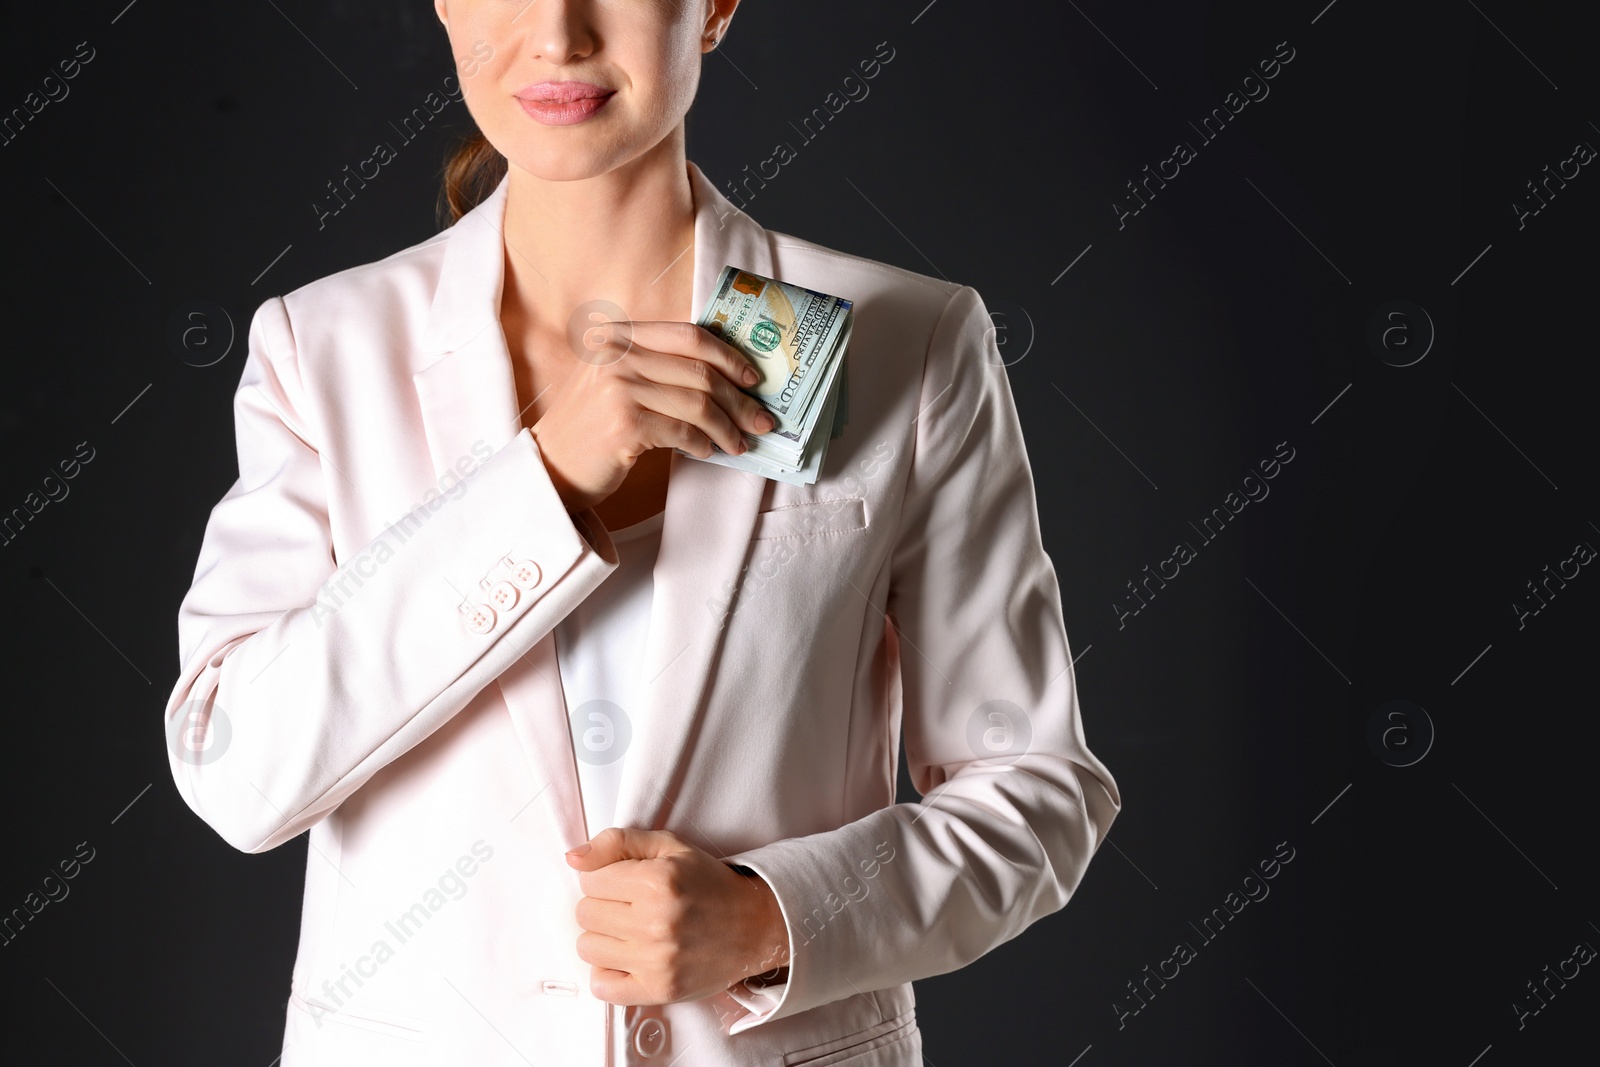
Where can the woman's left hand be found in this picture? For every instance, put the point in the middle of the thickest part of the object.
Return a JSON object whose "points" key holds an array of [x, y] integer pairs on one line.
{"points": [[664, 921]]}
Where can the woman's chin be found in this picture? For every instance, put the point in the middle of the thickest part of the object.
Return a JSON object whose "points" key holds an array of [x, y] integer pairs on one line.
{"points": [[569, 163]]}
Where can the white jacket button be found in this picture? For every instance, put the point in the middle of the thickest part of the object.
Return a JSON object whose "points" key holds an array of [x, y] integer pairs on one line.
{"points": [[478, 618], [650, 1037], [503, 596], [524, 573]]}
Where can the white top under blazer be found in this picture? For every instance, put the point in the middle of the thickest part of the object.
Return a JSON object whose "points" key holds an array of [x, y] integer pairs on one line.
{"points": [[600, 648]]}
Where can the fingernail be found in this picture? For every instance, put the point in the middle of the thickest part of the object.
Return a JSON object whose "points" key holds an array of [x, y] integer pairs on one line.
{"points": [[766, 422], [750, 376], [581, 850]]}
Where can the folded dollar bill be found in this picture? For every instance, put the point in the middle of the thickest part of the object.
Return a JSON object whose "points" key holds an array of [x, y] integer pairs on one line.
{"points": [[796, 338]]}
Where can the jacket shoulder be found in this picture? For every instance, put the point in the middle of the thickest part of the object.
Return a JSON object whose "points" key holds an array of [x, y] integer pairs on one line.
{"points": [[921, 308], [401, 283], [854, 277]]}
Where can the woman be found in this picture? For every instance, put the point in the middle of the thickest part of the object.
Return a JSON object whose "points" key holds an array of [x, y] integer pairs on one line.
{"points": [[454, 532]]}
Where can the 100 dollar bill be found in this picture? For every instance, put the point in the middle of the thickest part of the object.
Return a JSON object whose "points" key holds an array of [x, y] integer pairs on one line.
{"points": [[796, 339], [790, 334]]}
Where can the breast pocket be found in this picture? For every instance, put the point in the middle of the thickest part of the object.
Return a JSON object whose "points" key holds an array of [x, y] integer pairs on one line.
{"points": [[813, 518]]}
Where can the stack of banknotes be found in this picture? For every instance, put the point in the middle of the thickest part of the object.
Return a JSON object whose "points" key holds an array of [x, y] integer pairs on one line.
{"points": [[796, 339]]}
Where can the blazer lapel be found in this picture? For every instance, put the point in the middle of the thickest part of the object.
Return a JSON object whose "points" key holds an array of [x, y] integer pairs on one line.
{"points": [[705, 533], [469, 394]]}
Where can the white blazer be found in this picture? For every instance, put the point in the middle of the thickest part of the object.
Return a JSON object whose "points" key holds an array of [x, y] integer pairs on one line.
{"points": [[366, 653]]}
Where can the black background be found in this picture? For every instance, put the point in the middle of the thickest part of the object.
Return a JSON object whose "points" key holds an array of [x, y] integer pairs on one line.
{"points": [[1231, 314]]}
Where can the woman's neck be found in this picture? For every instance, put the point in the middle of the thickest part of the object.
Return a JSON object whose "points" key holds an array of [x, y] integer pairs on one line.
{"points": [[625, 236]]}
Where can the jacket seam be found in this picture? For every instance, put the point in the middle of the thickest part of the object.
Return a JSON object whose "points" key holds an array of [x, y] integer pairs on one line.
{"points": [[310, 416], [916, 436], [888, 562]]}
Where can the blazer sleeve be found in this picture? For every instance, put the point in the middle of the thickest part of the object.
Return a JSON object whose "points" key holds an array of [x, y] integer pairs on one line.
{"points": [[301, 677], [1014, 803]]}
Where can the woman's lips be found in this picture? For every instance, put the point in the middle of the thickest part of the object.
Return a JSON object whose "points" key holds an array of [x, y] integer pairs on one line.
{"points": [[563, 103]]}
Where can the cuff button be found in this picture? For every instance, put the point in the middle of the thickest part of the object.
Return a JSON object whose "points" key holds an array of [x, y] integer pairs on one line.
{"points": [[524, 573], [503, 596], [478, 618]]}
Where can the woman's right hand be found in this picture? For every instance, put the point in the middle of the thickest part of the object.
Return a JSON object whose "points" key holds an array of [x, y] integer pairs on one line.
{"points": [[643, 385]]}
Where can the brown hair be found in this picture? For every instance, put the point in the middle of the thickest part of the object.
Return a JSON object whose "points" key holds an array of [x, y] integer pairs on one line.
{"points": [[471, 172]]}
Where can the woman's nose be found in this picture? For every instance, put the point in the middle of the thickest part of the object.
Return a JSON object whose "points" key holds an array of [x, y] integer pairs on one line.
{"points": [[557, 30]]}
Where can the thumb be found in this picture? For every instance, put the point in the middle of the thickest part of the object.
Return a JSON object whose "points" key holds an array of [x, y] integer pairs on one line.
{"points": [[617, 843]]}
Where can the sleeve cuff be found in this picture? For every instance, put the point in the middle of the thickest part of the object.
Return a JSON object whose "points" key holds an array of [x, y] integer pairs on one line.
{"points": [[759, 1002], [753, 999], [587, 523]]}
